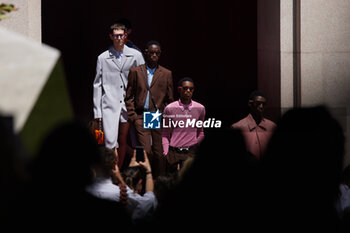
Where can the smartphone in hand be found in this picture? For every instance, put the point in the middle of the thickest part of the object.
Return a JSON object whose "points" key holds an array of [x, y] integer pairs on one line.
{"points": [[139, 154]]}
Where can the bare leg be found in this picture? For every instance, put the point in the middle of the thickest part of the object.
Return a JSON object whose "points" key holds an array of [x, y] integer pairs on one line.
{"points": [[122, 140]]}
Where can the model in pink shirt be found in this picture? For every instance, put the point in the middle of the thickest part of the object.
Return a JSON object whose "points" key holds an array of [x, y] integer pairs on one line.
{"points": [[256, 129], [179, 135]]}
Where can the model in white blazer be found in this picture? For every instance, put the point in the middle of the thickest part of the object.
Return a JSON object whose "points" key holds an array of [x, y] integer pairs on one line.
{"points": [[109, 89]]}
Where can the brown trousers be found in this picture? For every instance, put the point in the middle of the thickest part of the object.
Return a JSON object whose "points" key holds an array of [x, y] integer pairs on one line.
{"points": [[151, 140]]}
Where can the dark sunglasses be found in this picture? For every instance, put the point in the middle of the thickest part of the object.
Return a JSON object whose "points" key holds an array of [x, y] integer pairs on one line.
{"points": [[116, 36], [258, 103], [188, 88], [157, 53]]}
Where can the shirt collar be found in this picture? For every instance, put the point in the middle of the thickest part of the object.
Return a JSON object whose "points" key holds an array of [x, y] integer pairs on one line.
{"points": [[151, 71], [252, 124], [184, 106], [116, 53]]}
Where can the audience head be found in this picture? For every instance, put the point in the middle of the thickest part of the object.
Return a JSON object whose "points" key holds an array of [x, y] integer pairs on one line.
{"points": [[106, 162], [302, 170], [307, 148], [163, 186], [66, 156], [133, 178]]}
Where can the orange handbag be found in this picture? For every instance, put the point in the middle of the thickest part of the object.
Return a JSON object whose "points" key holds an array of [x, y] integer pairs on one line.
{"points": [[99, 135]]}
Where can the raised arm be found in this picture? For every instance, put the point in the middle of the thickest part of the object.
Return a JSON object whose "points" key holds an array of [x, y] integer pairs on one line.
{"points": [[149, 177]]}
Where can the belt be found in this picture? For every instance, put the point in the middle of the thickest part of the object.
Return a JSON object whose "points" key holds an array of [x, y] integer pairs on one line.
{"points": [[182, 149]]}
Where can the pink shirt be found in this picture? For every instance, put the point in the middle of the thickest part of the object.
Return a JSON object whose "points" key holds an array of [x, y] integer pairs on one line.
{"points": [[256, 136], [177, 134]]}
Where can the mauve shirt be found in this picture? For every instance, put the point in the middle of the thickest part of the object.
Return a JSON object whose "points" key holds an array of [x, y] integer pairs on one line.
{"points": [[182, 136], [256, 136]]}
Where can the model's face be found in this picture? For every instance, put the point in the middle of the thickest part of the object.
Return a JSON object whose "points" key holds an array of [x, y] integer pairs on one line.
{"points": [[153, 53], [257, 106], [186, 90], [118, 36]]}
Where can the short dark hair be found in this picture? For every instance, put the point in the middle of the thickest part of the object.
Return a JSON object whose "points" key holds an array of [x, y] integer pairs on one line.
{"points": [[117, 26], [132, 175], [152, 42], [184, 80], [125, 22], [107, 158], [255, 93]]}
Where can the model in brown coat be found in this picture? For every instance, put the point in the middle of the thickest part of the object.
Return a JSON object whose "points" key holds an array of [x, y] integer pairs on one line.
{"points": [[139, 99]]}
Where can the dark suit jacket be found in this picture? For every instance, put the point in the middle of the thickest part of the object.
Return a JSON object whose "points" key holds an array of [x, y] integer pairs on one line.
{"points": [[136, 92]]}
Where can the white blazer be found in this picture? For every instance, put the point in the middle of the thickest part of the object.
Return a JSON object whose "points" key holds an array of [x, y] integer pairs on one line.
{"points": [[109, 89]]}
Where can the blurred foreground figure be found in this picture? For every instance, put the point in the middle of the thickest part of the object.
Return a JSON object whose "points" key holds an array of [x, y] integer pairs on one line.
{"points": [[301, 173], [60, 172]]}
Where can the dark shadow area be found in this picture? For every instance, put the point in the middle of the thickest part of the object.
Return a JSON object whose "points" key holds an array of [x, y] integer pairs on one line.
{"points": [[60, 172], [218, 191], [301, 172]]}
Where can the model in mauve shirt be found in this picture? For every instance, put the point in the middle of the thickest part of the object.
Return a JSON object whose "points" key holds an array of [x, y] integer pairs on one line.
{"points": [[256, 129], [179, 117]]}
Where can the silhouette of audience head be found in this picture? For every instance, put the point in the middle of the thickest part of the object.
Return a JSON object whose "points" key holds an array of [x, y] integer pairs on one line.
{"points": [[302, 169], [61, 171], [307, 149], [66, 156], [163, 185]]}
